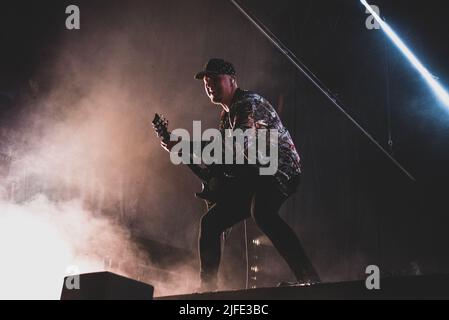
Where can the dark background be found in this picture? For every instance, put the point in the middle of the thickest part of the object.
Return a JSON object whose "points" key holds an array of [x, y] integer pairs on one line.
{"points": [[354, 207]]}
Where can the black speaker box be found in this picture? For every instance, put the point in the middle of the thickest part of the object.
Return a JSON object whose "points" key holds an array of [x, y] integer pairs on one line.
{"points": [[104, 286]]}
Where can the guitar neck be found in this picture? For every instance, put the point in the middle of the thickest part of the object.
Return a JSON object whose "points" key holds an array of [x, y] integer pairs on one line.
{"points": [[199, 171]]}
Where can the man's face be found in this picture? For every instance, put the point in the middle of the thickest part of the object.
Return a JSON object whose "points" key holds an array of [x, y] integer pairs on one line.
{"points": [[219, 88]]}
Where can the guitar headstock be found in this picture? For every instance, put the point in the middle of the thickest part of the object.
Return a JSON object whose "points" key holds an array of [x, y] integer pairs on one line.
{"points": [[160, 125]]}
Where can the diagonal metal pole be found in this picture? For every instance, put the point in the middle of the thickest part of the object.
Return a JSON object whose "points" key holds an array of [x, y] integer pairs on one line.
{"points": [[314, 79]]}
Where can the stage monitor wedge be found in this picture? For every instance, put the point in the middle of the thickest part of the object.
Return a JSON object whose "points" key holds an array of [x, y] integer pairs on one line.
{"points": [[104, 286]]}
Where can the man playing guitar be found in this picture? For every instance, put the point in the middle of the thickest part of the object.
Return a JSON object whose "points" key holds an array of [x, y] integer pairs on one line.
{"points": [[259, 196]]}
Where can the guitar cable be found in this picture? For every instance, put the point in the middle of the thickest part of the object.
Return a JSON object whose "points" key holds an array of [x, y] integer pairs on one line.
{"points": [[247, 256]]}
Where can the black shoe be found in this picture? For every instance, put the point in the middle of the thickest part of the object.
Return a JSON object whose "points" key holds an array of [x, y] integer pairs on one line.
{"points": [[286, 284], [207, 287], [305, 283]]}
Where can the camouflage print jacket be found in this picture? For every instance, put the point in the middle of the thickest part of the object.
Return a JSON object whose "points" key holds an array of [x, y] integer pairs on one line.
{"points": [[249, 110]]}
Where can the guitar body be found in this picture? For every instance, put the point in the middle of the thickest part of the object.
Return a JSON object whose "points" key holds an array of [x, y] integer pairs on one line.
{"points": [[206, 195], [214, 190]]}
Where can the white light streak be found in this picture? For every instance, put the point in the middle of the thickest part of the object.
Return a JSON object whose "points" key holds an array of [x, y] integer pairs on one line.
{"points": [[428, 77]]}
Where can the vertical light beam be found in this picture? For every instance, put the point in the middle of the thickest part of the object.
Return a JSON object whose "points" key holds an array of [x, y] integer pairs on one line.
{"points": [[430, 79]]}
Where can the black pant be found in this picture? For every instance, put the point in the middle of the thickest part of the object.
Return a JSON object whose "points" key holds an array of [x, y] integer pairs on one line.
{"points": [[261, 200]]}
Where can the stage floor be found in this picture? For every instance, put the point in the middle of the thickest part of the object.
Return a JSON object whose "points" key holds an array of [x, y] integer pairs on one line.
{"points": [[409, 287]]}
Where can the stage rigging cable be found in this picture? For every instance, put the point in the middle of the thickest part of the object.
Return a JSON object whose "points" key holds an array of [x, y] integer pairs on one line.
{"points": [[314, 79]]}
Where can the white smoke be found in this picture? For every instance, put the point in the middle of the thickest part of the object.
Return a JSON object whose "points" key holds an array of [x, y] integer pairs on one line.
{"points": [[41, 242]]}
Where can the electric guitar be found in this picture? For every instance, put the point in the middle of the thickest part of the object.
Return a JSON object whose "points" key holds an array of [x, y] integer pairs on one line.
{"points": [[214, 181]]}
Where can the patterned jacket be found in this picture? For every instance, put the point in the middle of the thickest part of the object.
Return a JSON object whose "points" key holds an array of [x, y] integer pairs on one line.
{"points": [[249, 110]]}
